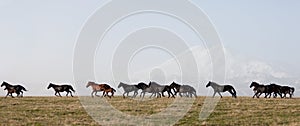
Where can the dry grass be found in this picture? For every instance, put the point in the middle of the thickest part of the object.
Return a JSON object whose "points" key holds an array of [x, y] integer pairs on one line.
{"points": [[68, 111]]}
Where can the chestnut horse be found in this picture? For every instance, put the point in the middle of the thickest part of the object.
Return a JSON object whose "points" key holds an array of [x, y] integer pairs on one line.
{"points": [[100, 87]]}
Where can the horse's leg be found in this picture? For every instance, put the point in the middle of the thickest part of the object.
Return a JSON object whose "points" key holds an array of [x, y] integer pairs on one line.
{"points": [[55, 93], [67, 93], [143, 95], [71, 94], [220, 94], [135, 93], [163, 94], [59, 94], [258, 95], [124, 94], [108, 95], [180, 94], [11, 95], [175, 92], [266, 95], [159, 95], [172, 94], [92, 93], [153, 94], [214, 93], [103, 95]]}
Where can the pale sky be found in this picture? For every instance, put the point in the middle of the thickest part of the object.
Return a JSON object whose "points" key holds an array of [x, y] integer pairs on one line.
{"points": [[260, 38]]}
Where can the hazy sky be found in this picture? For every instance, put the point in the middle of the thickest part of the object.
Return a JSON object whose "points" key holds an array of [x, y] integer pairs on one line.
{"points": [[260, 38]]}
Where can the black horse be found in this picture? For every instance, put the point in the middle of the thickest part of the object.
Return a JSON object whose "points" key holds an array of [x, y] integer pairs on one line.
{"points": [[287, 90], [129, 88], [259, 89], [267, 89], [18, 89], [61, 88], [275, 89], [168, 89], [221, 88], [175, 87]]}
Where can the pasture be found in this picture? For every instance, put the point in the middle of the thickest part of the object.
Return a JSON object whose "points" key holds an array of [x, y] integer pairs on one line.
{"points": [[229, 111]]}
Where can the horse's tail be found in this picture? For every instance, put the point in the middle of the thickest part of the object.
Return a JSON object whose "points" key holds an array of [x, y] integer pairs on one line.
{"points": [[194, 92], [72, 88], [113, 89], [22, 88], [234, 91]]}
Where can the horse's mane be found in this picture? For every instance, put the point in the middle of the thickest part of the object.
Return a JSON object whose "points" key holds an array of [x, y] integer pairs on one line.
{"points": [[214, 83]]}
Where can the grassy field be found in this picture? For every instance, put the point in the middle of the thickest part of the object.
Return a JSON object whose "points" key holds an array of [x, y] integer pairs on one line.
{"points": [[68, 111]]}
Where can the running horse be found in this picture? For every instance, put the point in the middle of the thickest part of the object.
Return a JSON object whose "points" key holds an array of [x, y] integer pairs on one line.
{"points": [[129, 88], [101, 87], [61, 88], [221, 88], [259, 89], [189, 90], [18, 89]]}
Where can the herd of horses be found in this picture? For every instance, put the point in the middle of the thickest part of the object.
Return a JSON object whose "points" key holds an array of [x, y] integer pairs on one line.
{"points": [[158, 90]]}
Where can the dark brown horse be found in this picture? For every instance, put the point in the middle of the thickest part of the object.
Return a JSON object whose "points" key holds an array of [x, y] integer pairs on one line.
{"points": [[100, 87], [259, 89], [61, 88], [18, 89], [107, 90], [10, 91]]}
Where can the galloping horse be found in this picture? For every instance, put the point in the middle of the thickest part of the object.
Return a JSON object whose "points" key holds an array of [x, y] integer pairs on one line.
{"points": [[275, 89], [107, 90], [189, 90], [145, 88], [100, 87], [61, 88], [157, 88], [259, 89], [129, 88], [221, 88], [18, 89], [287, 90], [168, 89], [160, 89], [175, 87]]}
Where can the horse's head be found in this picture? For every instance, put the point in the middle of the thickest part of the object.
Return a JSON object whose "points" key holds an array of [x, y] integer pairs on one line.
{"points": [[208, 84], [253, 84], [120, 84], [50, 85], [89, 84], [4, 83]]}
